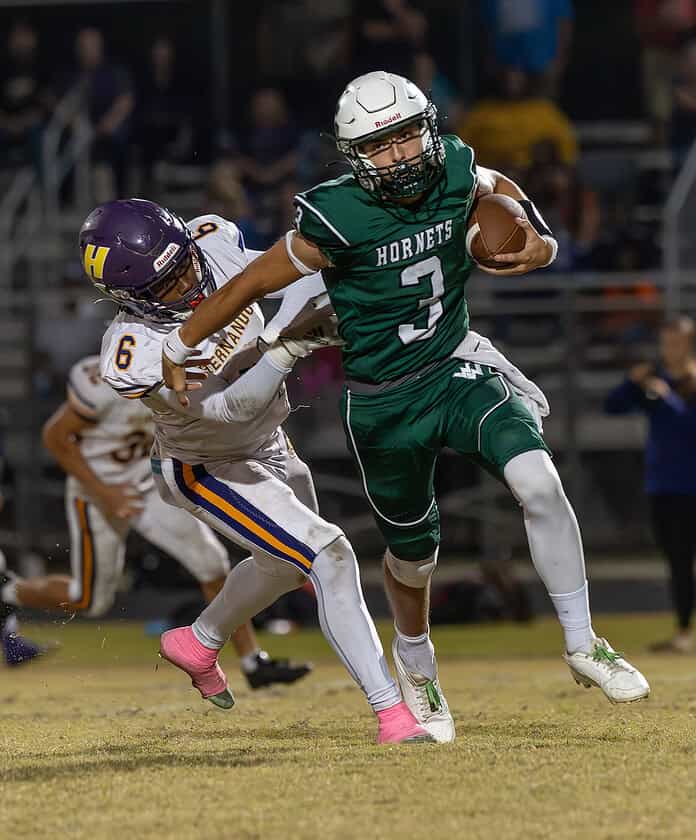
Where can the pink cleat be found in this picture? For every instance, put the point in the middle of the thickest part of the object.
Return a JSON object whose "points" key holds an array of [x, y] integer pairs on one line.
{"points": [[397, 725], [182, 648]]}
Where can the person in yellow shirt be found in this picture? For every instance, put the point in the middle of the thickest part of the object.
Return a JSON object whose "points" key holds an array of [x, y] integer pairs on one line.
{"points": [[505, 130]]}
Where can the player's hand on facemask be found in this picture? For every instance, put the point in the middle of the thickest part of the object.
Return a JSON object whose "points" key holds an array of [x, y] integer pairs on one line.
{"points": [[537, 253], [120, 501]]}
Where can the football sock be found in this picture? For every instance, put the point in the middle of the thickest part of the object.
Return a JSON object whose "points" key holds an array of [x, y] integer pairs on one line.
{"points": [[251, 586], [249, 662], [8, 593], [574, 614], [11, 625], [417, 653], [347, 624]]}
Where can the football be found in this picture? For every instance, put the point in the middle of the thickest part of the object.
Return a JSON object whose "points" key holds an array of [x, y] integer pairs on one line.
{"points": [[492, 229]]}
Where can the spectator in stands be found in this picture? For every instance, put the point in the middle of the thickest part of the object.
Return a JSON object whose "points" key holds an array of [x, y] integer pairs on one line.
{"points": [[308, 41], [666, 392], [683, 112], [570, 208], [388, 34], [505, 130], [327, 51], [22, 98], [226, 196], [530, 35], [109, 101], [662, 26], [269, 155], [164, 109], [426, 74]]}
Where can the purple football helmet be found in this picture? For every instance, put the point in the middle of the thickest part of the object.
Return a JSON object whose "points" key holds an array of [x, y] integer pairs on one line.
{"points": [[134, 251]]}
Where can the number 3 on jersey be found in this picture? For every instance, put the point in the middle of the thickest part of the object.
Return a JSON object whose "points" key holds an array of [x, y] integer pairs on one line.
{"points": [[412, 275]]}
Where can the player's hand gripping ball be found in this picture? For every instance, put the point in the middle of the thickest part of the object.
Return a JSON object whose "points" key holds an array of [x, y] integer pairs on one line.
{"points": [[493, 229]]}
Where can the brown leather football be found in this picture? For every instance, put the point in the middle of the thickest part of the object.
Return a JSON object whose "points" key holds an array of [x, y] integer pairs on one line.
{"points": [[492, 229]]}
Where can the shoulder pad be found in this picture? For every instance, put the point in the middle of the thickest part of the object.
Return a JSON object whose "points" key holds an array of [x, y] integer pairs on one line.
{"points": [[87, 393], [316, 212], [458, 152], [131, 358]]}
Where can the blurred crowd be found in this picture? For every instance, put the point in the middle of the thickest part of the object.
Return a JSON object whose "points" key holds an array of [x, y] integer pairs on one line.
{"points": [[141, 108], [143, 111]]}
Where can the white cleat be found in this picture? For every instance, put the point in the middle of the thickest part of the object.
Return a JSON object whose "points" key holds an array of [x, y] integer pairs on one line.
{"points": [[608, 670], [426, 701]]}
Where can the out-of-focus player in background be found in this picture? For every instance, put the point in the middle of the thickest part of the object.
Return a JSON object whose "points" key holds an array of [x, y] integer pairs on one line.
{"points": [[16, 649], [103, 443], [223, 456], [390, 239]]}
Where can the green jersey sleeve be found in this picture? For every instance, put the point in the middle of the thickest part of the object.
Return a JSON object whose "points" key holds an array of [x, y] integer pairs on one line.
{"points": [[317, 220], [460, 167]]}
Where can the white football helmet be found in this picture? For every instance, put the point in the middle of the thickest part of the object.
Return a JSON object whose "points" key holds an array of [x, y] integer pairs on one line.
{"points": [[371, 107]]}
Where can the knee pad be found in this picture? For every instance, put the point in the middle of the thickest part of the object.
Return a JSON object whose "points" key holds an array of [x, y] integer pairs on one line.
{"points": [[413, 573]]}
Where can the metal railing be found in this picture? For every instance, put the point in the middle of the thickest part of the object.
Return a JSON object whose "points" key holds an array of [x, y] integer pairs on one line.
{"points": [[66, 153], [31, 208], [679, 234]]}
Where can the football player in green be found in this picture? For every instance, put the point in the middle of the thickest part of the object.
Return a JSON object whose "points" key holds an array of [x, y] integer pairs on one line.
{"points": [[391, 241]]}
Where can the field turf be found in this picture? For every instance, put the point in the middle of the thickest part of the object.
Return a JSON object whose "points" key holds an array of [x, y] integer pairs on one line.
{"points": [[97, 741]]}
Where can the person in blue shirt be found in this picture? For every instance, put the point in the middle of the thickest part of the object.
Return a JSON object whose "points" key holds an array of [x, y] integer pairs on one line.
{"points": [[531, 35], [666, 392]]}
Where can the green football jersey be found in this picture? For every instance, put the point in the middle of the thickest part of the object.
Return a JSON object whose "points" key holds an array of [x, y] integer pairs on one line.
{"points": [[398, 272]]}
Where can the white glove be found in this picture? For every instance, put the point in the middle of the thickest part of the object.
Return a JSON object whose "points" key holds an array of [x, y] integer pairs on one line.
{"points": [[286, 351]]}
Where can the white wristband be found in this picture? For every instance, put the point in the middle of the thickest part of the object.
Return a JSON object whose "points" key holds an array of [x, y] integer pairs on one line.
{"points": [[299, 265], [175, 349], [554, 249]]}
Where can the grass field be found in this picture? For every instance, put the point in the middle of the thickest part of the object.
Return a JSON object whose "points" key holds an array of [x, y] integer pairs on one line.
{"points": [[99, 742]]}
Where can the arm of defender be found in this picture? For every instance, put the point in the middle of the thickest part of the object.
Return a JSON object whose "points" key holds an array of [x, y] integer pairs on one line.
{"points": [[250, 395], [247, 395], [271, 271], [60, 436], [539, 251]]}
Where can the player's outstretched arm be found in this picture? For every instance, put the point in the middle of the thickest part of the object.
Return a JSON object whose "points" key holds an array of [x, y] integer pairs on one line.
{"points": [[540, 247], [289, 259]]}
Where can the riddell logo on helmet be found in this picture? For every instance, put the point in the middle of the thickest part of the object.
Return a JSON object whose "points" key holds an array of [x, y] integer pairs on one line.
{"points": [[382, 123], [166, 256]]}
